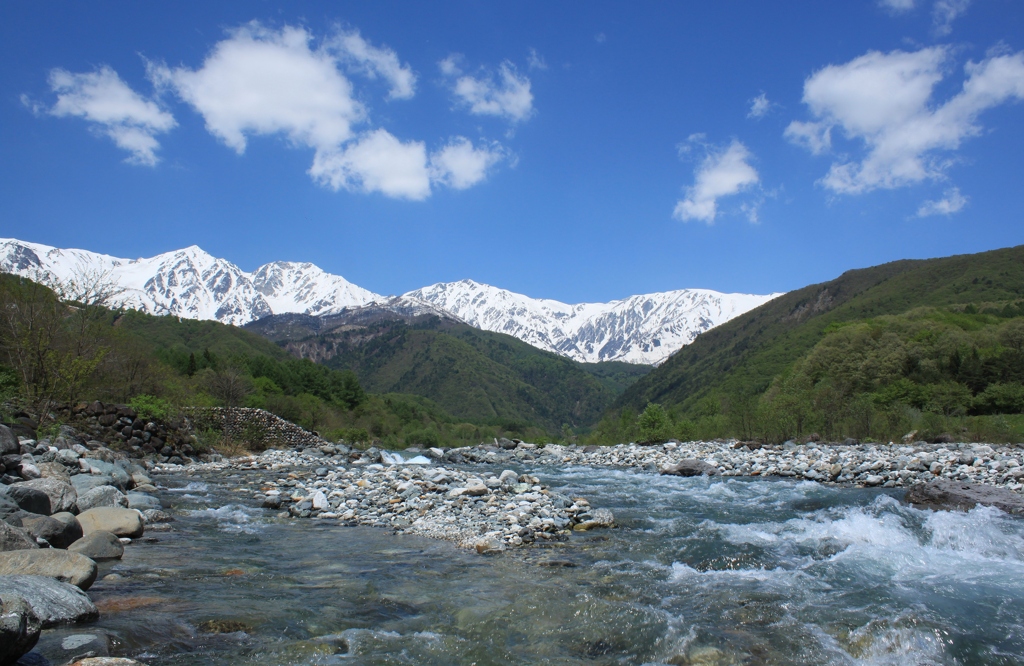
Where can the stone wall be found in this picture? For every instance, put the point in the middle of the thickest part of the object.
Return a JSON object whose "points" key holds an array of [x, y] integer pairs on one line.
{"points": [[256, 427]]}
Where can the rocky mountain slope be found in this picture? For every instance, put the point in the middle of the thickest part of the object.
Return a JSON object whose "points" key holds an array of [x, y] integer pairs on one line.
{"points": [[193, 284]]}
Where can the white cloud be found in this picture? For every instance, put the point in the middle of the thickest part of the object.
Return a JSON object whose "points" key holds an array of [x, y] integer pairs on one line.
{"points": [[260, 81], [381, 62], [945, 12], [506, 96], [884, 100], [721, 174], [759, 106], [376, 162], [113, 108], [951, 202], [897, 6], [535, 60], [459, 165]]}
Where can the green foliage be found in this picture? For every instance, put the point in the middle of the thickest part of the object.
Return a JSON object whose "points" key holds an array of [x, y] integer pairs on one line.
{"points": [[653, 424], [875, 353], [151, 407], [477, 376]]}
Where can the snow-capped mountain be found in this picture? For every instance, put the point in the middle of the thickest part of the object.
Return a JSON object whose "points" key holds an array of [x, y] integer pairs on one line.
{"points": [[639, 329], [190, 282], [194, 284]]}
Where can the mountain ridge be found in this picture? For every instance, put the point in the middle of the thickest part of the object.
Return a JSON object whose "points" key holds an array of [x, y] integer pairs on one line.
{"points": [[191, 283]]}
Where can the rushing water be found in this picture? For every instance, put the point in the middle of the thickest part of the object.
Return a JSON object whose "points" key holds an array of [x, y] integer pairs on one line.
{"points": [[700, 571]]}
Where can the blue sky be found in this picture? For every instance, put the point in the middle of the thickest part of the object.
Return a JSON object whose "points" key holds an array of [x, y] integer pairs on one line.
{"points": [[577, 151]]}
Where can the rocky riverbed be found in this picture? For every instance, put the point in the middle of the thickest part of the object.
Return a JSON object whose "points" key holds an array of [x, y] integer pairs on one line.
{"points": [[71, 502]]}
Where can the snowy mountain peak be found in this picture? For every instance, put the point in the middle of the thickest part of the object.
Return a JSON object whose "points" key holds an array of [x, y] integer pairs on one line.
{"points": [[640, 329], [194, 284]]}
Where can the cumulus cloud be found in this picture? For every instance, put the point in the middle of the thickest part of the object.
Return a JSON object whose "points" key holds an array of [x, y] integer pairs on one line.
{"points": [[506, 94], [379, 162], [376, 162], [382, 62], [951, 202], [722, 173], [260, 81], [759, 106], [945, 12], [459, 165], [112, 108], [884, 101]]}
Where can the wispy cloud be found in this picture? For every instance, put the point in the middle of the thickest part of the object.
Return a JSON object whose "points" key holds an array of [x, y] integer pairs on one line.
{"points": [[535, 60], [944, 12], [112, 108], [884, 101], [374, 61], [897, 6], [722, 173], [759, 106], [505, 93]]}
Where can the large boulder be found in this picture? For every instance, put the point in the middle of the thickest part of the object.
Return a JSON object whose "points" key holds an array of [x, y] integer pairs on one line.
{"points": [[63, 496], [67, 567], [8, 442], [690, 467], [946, 494], [10, 512], [27, 498], [73, 527], [15, 538], [121, 522], [99, 546], [19, 629], [54, 532], [52, 601], [54, 470], [102, 496]]}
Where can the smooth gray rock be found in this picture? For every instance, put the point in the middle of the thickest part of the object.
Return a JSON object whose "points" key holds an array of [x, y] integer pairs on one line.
{"points": [[690, 467], [86, 482], [19, 629], [121, 479], [143, 502], [10, 512], [73, 527], [27, 498], [63, 496], [52, 601], [8, 442], [73, 568], [158, 516], [54, 532], [121, 522], [99, 546], [15, 538], [946, 494], [102, 496]]}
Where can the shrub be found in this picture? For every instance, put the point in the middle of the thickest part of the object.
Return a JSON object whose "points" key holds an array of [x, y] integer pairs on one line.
{"points": [[151, 407]]}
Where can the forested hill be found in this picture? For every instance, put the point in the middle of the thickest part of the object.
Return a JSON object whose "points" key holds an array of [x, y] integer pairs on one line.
{"points": [[473, 374], [742, 358]]}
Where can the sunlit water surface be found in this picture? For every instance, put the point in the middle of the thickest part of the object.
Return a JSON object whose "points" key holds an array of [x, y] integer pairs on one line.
{"points": [[699, 571]]}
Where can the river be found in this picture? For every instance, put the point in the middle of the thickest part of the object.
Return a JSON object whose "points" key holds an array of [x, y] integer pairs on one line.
{"points": [[699, 571]]}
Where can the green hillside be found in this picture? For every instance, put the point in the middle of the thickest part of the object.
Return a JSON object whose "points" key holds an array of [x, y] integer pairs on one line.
{"points": [[54, 353], [723, 376], [475, 375]]}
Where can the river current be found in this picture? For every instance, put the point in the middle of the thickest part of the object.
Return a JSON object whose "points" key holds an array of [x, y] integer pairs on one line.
{"points": [[699, 571]]}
